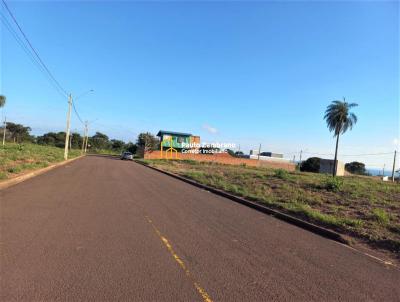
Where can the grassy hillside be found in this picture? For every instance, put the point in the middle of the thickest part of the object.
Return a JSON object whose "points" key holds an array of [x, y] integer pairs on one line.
{"points": [[17, 158], [361, 207]]}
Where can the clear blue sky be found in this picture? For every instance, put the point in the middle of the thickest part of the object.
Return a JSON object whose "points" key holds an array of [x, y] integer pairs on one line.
{"points": [[257, 72]]}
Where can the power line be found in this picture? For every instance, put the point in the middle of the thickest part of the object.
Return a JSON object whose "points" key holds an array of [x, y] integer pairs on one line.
{"points": [[27, 51], [76, 112], [365, 154], [386, 153], [34, 50]]}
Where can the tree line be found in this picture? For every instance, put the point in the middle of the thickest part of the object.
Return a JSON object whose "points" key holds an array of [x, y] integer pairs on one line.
{"points": [[18, 133], [312, 164]]}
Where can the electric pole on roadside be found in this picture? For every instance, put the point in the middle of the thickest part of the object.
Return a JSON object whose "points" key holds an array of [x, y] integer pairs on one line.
{"points": [[86, 143], [87, 135], [4, 131], [259, 151], [301, 153], [68, 125], [84, 137], [394, 164], [67, 132]]}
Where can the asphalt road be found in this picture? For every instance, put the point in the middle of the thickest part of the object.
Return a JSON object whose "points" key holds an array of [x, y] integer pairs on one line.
{"points": [[101, 229]]}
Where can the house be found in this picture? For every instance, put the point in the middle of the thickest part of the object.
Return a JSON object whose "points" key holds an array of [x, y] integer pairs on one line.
{"points": [[267, 156], [326, 166], [177, 140]]}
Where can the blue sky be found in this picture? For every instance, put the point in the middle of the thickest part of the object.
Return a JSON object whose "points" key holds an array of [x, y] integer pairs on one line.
{"points": [[256, 72]]}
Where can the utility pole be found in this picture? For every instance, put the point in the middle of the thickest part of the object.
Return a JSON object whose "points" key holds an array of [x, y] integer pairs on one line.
{"points": [[84, 136], [301, 154], [87, 135], [394, 164], [383, 170], [4, 131], [294, 158], [86, 143], [68, 125], [259, 151], [70, 142]]}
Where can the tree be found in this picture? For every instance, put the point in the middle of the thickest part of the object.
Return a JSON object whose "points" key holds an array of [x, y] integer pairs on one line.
{"points": [[312, 164], [2, 100], [131, 147], [53, 139], [339, 119], [76, 140], [147, 141], [19, 132], [99, 141], [230, 152], [355, 167], [117, 145]]}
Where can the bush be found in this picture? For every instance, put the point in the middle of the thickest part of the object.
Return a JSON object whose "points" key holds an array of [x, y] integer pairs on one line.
{"points": [[334, 184], [355, 168], [312, 164], [381, 216], [282, 174]]}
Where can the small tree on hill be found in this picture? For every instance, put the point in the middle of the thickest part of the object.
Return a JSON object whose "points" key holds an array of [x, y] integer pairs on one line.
{"points": [[19, 133], [355, 167], [312, 164]]}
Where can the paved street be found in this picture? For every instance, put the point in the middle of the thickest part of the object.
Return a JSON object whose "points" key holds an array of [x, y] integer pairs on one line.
{"points": [[101, 229]]}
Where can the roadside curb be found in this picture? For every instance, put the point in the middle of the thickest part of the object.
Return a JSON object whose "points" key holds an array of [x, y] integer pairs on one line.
{"points": [[16, 180], [261, 208]]}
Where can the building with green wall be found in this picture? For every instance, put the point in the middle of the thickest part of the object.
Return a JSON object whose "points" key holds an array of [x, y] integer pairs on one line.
{"points": [[177, 139]]}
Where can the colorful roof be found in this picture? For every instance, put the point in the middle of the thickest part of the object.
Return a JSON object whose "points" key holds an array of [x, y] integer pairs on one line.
{"points": [[162, 132]]}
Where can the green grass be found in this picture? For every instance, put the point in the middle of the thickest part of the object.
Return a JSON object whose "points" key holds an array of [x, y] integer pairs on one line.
{"points": [[381, 216], [362, 207], [18, 158], [334, 184], [282, 174]]}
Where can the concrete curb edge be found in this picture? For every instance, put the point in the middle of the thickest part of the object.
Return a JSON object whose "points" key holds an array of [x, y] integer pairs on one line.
{"points": [[261, 208], [16, 180]]}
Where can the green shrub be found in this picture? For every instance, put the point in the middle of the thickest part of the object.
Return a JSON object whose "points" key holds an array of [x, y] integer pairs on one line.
{"points": [[14, 170], [312, 164], [333, 184], [381, 216], [282, 174]]}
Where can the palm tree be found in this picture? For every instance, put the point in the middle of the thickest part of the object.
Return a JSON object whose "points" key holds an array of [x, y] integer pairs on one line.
{"points": [[2, 100], [339, 119]]}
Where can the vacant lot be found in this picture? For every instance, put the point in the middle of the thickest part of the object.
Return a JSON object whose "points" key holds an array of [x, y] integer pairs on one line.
{"points": [[364, 208], [17, 158]]}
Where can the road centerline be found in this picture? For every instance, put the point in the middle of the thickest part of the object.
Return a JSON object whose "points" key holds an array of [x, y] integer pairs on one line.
{"points": [[206, 297]]}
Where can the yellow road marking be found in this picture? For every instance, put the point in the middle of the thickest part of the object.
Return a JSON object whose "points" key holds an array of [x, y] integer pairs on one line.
{"points": [[164, 240]]}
